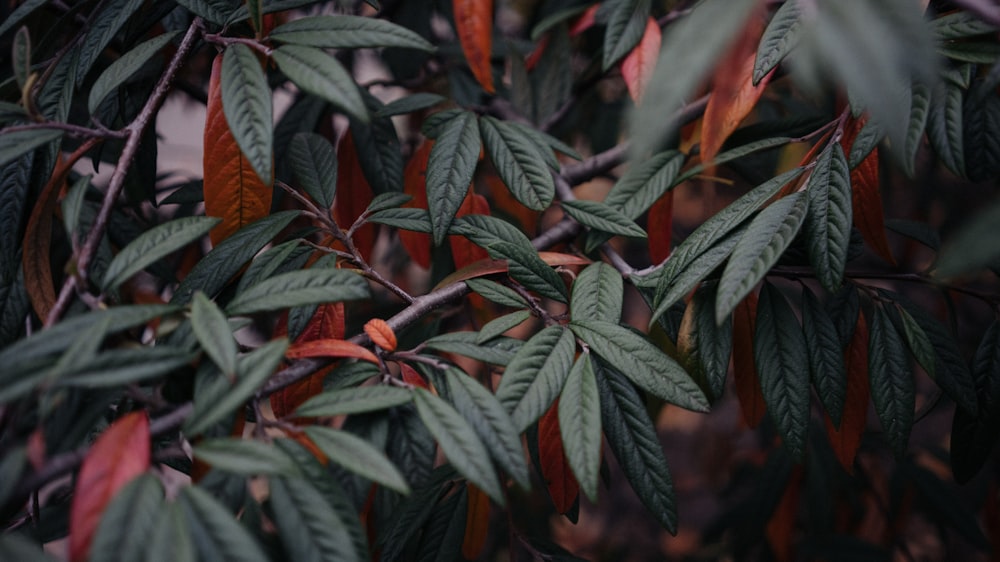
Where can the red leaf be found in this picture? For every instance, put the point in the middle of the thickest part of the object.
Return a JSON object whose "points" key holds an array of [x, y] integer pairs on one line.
{"points": [[535, 55], [330, 348], [353, 196], [845, 441], [866, 199], [502, 200], [489, 267], [464, 252], [233, 191], [417, 244], [638, 65], [559, 479], [744, 370], [585, 21], [120, 454], [781, 526], [326, 323], [660, 224], [411, 376], [381, 334], [474, 26], [477, 523]]}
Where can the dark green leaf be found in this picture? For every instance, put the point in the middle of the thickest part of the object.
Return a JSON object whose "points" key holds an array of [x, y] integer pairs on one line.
{"points": [[215, 11], [826, 356], [444, 531], [625, 27], [535, 376], [212, 330], [217, 535], [410, 104], [122, 69], [18, 14], [945, 126], [321, 75], [500, 294], [501, 324], [309, 527], [714, 341], [299, 288], [645, 182], [171, 540], [519, 163], [353, 401], [314, 164], [527, 268], [598, 293], [103, 29], [153, 245], [918, 342], [780, 37], [357, 455], [891, 382], [384, 201], [919, 110], [958, 25], [602, 217], [497, 351], [244, 457], [449, 171], [16, 143], [942, 506], [15, 546], [736, 154], [417, 220], [124, 366], [580, 424], [868, 138], [411, 515], [21, 56], [974, 435], [348, 32], [981, 128], [128, 521], [828, 224]]}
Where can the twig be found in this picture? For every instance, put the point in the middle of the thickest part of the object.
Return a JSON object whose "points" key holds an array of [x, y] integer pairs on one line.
{"points": [[75, 130]]}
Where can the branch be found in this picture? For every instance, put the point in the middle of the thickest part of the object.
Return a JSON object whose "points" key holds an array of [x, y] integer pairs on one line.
{"points": [[75, 130]]}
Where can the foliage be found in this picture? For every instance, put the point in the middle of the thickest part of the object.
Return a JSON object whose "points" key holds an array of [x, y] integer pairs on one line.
{"points": [[396, 316]]}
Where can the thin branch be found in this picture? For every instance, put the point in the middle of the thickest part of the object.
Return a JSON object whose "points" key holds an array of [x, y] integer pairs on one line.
{"points": [[75, 130]]}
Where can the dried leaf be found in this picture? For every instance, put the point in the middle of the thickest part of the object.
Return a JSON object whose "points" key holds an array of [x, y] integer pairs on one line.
{"points": [[477, 523], [866, 199], [659, 227]]}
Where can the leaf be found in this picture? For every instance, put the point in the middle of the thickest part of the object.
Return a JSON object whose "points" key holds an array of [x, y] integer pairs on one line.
{"points": [[745, 376], [353, 401], [535, 376], [780, 37], [598, 294], [309, 527], [16, 546], [501, 324], [355, 195], [892, 385], [763, 242], [15, 17], [119, 72], [828, 224], [633, 440], [330, 348], [458, 442], [410, 104], [477, 523], [154, 245], [493, 291], [528, 268], [216, 533], [450, 167], [714, 341], [128, 521], [215, 11], [866, 205], [553, 464], [518, 162], [779, 351], [920, 103], [358, 456], [474, 27], [958, 25], [497, 351], [100, 33], [123, 366], [973, 247], [233, 190], [381, 334], [463, 251], [917, 340], [974, 436], [298, 288], [945, 127], [580, 424], [626, 27], [711, 25], [348, 32], [638, 65], [846, 438], [171, 539], [321, 75], [244, 457], [602, 217], [639, 360], [16, 143], [826, 357], [314, 164], [120, 454]]}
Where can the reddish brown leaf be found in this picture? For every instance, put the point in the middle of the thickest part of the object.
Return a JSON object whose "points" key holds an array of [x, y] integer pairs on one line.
{"points": [[866, 199], [381, 334], [660, 225], [585, 21], [845, 441], [531, 61], [474, 26], [353, 195], [503, 201], [330, 348], [417, 244], [233, 191], [411, 376], [489, 267], [638, 65], [464, 252], [326, 323], [120, 454], [477, 523], [744, 370], [562, 485], [781, 526]]}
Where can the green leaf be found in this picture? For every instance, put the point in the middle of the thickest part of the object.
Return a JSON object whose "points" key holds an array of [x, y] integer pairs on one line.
{"points": [[15, 546], [353, 401], [639, 360], [458, 442], [253, 369], [212, 330], [128, 521], [826, 356], [780, 37], [103, 29], [16, 143], [535, 376], [449, 171], [123, 366], [276, 259], [493, 291], [497, 351], [299, 288], [410, 104], [321, 75], [918, 342], [217, 535], [384, 201], [358, 456], [644, 183], [711, 26], [378, 150], [598, 294], [958, 25], [892, 384], [920, 103], [12, 466], [945, 126], [634, 442], [417, 220], [580, 424], [72, 204], [974, 434], [412, 513], [714, 342], [767, 237], [736, 154], [442, 536], [348, 32], [215, 270], [864, 143], [21, 56], [501, 324], [309, 527], [519, 162], [546, 143], [779, 350], [244, 457], [626, 24], [602, 217], [215, 11], [527, 268], [171, 540], [118, 72], [981, 128], [153, 245], [828, 224], [494, 426], [246, 101], [15, 17], [973, 247]]}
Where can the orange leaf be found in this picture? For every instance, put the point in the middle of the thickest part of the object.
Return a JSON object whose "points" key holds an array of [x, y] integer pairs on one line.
{"points": [[120, 454], [464, 252], [585, 21], [489, 267], [411, 376], [330, 348], [504, 201], [562, 485], [781, 526], [417, 244], [381, 334], [660, 224], [744, 370], [845, 441], [638, 65], [353, 195], [474, 26], [733, 94], [477, 523], [866, 199], [233, 191]]}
